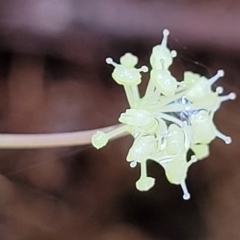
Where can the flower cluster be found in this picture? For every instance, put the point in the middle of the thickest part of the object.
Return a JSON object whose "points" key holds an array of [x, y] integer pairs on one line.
{"points": [[172, 117]]}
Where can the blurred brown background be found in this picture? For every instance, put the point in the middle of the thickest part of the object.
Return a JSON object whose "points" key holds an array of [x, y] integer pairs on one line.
{"points": [[53, 78]]}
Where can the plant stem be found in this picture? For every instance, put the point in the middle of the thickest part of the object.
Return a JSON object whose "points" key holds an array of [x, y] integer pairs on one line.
{"points": [[49, 140]]}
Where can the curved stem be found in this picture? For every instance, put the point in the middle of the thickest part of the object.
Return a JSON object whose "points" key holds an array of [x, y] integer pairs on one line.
{"points": [[170, 119]]}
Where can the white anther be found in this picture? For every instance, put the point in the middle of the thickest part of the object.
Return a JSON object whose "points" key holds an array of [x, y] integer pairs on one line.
{"points": [[133, 164], [219, 90], [232, 96], [144, 69], [173, 53], [166, 32], [109, 60], [220, 73], [228, 140], [186, 196]]}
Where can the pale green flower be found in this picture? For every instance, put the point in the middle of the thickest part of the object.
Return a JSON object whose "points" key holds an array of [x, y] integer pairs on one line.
{"points": [[169, 120]]}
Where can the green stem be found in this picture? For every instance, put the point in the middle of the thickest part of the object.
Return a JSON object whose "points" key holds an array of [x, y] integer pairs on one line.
{"points": [[117, 131], [132, 94]]}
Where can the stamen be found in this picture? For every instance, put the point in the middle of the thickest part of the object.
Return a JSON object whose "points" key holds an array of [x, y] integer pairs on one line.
{"points": [[165, 37], [220, 73], [186, 194], [225, 138], [144, 183], [213, 79], [111, 62], [230, 96]]}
